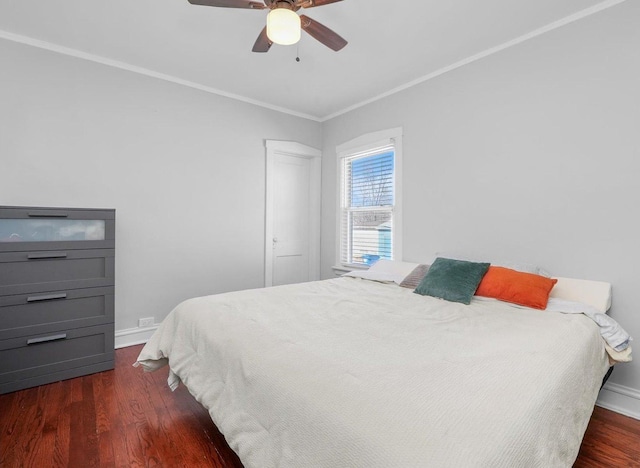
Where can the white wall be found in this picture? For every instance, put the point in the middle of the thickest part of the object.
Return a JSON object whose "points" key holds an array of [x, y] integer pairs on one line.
{"points": [[530, 154], [184, 169]]}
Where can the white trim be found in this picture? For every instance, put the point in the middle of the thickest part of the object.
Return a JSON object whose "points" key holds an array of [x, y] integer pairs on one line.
{"points": [[493, 50], [621, 399], [162, 76], [292, 148], [369, 140], [397, 206], [145, 71], [363, 143], [134, 336]]}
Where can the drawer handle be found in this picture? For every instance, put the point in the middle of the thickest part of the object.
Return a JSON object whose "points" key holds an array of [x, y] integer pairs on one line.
{"points": [[47, 214], [42, 255], [48, 297], [46, 339]]}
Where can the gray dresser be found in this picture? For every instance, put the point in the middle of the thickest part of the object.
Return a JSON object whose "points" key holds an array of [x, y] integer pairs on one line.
{"points": [[56, 294]]}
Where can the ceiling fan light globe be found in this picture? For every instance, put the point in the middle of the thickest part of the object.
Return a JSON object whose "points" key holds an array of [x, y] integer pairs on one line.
{"points": [[283, 26]]}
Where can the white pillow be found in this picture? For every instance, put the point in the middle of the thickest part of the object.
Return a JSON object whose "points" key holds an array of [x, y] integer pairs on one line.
{"points": [[371, 276], [400, 270], [594, 293], [386, 271], [519, 266]]}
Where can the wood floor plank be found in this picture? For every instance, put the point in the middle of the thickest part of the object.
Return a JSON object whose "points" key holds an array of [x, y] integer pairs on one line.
{"points": [[45, 446], [164, 424], [8, 422], [34, 422], [127, 418], [24, 414], [105, 419], [63, 423], [611, 440]]}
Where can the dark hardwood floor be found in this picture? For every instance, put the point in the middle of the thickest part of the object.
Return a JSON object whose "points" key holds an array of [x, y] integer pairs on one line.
{"points": [[127, 418]]}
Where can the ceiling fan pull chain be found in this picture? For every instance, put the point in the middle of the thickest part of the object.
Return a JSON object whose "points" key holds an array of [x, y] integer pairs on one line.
{"points": [[298, 52]]}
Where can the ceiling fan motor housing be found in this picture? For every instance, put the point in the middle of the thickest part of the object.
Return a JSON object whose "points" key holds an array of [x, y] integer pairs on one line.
{"points": [[288, 4]]}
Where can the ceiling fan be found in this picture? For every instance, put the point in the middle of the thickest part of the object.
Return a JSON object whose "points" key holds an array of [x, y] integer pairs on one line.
{"points": [[283, 23]]}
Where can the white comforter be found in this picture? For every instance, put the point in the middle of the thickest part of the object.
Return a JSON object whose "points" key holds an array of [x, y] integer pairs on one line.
{"points": [[353, 373]]}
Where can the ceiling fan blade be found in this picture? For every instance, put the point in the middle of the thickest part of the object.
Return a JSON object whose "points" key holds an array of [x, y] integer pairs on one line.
{"points": [[323, 34], [263, 43], [314, 3], [230, 4]]}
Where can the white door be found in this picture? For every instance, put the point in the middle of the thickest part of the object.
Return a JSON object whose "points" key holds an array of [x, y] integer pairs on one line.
{"points": [[292, 231]]}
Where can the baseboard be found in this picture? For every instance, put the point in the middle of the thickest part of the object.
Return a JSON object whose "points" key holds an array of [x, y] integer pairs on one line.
{"points": [[134, 336], [621, 399]]}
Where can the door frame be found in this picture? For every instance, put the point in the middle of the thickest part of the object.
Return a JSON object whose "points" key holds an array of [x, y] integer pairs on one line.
{"points": [[298, 150]]}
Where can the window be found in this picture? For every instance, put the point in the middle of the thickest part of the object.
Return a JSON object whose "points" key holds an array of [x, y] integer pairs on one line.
{"points": [[369, 214]]}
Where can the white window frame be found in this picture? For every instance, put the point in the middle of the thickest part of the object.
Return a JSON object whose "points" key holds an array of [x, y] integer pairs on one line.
{"points": [[361, 144]]}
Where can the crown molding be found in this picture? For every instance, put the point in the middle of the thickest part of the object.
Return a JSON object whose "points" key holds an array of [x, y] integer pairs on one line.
{"points": [[144, 71], [493, 50], [173, 79]]}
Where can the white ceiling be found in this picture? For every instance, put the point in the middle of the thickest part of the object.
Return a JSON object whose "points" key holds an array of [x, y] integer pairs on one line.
{"points": [[391, 43]]}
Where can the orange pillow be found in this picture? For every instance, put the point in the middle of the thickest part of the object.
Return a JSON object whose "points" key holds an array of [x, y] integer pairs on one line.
{"points": [[517, 287]]}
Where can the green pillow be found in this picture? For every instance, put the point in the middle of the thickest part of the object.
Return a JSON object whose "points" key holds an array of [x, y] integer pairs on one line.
{"points": [[452, 280]]}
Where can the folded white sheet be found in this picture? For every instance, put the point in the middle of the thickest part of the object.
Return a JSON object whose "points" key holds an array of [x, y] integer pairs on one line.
{"points": [[610, 330]]}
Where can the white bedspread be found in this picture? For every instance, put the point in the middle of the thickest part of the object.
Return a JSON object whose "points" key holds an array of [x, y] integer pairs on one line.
{"points": [[353, 373]]}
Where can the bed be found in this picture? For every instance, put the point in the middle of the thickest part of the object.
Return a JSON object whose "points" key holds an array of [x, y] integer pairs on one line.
{"points": [[354, 373]]}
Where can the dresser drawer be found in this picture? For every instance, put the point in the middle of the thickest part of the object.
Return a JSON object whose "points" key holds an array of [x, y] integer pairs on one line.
{"points": [[23, 228], [42, 354], [50, 311], [35, 271]]}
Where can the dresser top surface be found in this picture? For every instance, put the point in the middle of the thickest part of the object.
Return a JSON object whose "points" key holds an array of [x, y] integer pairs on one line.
{"points": [[4, 207]]}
